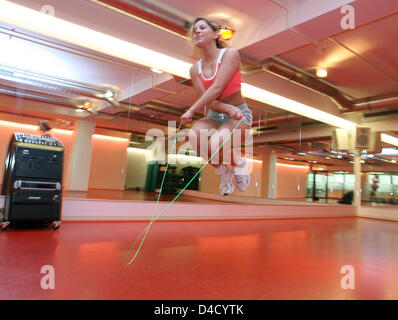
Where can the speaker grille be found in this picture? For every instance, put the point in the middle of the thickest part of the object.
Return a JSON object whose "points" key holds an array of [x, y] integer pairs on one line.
{"points": [[363, 140], [363, 137]]}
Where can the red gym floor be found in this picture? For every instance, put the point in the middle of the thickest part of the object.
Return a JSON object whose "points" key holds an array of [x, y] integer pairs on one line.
{"points": [[259, 259]]}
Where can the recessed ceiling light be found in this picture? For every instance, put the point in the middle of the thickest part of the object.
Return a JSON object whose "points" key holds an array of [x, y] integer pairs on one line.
{"points": [[227, 33], [156, 70], [389, 139], [109, 94], [86, 106], [321, 73]]}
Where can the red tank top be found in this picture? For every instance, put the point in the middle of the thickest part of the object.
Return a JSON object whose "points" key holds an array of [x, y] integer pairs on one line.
{"points": [[233, 85]]}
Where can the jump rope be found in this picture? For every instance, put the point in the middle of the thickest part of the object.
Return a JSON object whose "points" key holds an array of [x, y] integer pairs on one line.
{"points": [[144, 232]]}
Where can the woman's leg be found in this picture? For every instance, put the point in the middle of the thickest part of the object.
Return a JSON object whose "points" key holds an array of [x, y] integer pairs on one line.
{"points": [[233, 146], [198, 138], [205, 144], [232, 149]]}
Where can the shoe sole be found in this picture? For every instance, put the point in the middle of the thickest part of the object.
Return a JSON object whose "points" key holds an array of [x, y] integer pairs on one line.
{"points": [[243, 189], [226, 193]]}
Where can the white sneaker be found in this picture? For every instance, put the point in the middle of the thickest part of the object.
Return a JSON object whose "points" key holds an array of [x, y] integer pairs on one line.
{"points": [[242, 175], [226, 183]]}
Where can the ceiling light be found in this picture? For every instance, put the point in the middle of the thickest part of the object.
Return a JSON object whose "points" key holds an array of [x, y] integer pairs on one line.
{"points": [[227, 33], [100, 136], [30, 127], [79, 110], [291, 166], [140, 150], [321, 73], [109, 94], [389, 139], [156, 70], [278, 101], [17, 125], [62, 131], [45, 81], [393, 161], [388, 152], [254, 160]]}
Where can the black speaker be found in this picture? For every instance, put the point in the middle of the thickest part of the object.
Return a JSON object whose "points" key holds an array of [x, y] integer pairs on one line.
{"points": [[32, 181]]}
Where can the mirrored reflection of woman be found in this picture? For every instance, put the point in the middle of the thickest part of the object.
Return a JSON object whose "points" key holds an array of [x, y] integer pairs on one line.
{"points": [[45, 129]]}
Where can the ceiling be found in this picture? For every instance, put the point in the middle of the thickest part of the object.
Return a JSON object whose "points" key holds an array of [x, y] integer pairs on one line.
{"points": [[300, 34]]}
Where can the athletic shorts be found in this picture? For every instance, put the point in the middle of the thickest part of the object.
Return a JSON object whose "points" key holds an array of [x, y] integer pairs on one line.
{"points": [[222, 117]]}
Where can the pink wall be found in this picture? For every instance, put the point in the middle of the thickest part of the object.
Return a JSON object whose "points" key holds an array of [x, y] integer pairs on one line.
{"points": [[108, 163], [291, 181]]}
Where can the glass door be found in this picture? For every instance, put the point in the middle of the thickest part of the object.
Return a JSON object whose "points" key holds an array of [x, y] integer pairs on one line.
{"points": [[321, 185]]}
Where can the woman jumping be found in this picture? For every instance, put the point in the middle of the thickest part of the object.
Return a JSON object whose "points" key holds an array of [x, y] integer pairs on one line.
{"points": [[217, 79]]}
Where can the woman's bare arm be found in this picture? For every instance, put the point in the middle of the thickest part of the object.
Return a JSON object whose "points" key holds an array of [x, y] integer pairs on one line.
{"points": [[228, 68], [216, 105]]}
